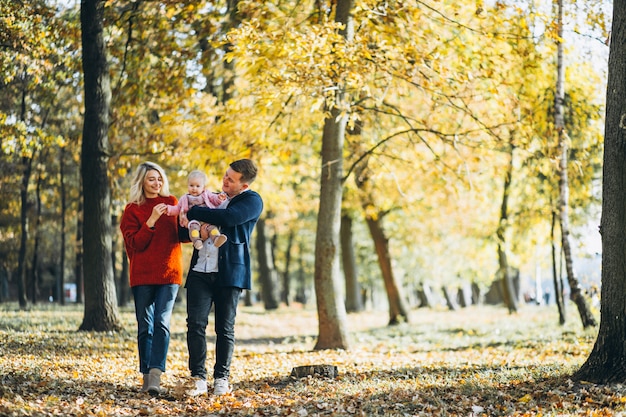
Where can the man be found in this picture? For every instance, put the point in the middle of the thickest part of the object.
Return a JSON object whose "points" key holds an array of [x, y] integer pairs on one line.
{"points": [[218, 276]]}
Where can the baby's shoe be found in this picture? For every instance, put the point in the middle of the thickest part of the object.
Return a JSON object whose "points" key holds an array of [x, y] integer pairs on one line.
{"points": [[219, 240]]}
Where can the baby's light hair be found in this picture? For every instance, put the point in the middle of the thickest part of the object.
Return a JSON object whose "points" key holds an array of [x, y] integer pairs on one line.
{"points": [[196, 173]]}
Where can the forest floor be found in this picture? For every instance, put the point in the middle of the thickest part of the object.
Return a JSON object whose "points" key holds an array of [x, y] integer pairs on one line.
{"points": [[478, 361]]}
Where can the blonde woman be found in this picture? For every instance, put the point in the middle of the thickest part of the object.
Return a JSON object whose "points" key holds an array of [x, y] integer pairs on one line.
{"points": [[155, 259]]}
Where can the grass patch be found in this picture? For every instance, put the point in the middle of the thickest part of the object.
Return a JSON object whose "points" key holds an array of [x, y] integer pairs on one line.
{"points": [[477, 361]]}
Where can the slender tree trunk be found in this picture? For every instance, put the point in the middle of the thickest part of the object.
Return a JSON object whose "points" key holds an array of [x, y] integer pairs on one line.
{"points": [[302, 292], [35, 276], [504, 273], [556, 276], [576, 294], [607, 360], [398, 311], [61, 277], [27, 166], [78, 266], [286, 275], [101, 313], [267, 274], [354, 303], [229, 65], [330, 306], [125, 294]]}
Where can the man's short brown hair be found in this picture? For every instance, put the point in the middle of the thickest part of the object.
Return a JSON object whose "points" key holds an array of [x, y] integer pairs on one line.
{"points": [[246, 168]]}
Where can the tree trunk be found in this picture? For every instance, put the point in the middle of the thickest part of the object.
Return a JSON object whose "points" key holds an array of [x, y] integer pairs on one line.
{"points": [[331, 309], [607, 360], [302, 291], [61, 278], [101, 312], [267, 274], [397, 308], [354, 303], [78, 265], [234, 20], [286, 275], [27, 166], [504, 271], [125, 294], [576, 294], [450, 298], [557, 278], [34, 276]]}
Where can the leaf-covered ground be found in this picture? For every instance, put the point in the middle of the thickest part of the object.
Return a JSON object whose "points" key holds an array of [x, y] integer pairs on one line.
{"points": [[477, 361]]}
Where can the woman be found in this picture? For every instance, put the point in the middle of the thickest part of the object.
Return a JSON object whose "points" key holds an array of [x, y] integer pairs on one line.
{"points": [[156, 272]]}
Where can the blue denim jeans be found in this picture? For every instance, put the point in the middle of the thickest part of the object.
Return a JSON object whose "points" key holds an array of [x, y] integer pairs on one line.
{"points": [[153, 309], [202, 294]]}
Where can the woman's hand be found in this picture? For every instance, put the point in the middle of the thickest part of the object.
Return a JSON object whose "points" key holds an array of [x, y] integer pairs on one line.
{"points": [[157, 212]]}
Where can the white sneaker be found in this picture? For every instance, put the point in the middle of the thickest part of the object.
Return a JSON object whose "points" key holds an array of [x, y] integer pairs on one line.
{"points": [[221, 386], [200, 387]]}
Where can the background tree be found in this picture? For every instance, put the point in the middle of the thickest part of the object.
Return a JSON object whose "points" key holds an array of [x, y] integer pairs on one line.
{"points": [[100, 297], [330, 306], [607, 361], [576, 293]]}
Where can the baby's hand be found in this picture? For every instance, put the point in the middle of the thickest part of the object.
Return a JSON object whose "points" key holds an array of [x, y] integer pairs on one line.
{"points": [[204, 232], [184, 221]]}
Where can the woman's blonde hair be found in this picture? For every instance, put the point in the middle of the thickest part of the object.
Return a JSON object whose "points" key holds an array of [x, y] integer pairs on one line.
{"points": [[137, 195]]}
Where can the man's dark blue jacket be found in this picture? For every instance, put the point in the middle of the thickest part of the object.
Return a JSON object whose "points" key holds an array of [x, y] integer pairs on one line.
{"points": [[236, 221]]}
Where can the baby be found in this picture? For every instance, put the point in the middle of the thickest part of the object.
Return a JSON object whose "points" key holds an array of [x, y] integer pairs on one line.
{"points": [[197, 195]]}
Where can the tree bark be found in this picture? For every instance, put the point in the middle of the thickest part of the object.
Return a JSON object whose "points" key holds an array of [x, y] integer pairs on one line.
{"points": [[557, 278], [504, 272], [576, 294], [267, 274], [354, 303], [398, 311], [27, 166], [35, 275], [286, 275], [78, 265], [331, 309], [607, 361], [101, 312], [61, 278]]}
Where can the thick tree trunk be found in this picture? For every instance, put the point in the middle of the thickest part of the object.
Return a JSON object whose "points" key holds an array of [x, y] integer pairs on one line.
{"points": [[354, 303], [101, 312], [267, 274], [576, 294], [331, 309], [330, 305], [607, 361]]}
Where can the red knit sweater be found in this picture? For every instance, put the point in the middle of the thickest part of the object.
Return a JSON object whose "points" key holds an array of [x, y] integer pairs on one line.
{"points": [[155, 256]]}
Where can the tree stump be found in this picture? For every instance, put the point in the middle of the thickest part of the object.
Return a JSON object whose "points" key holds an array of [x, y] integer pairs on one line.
{"points": [[326, 371]]}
